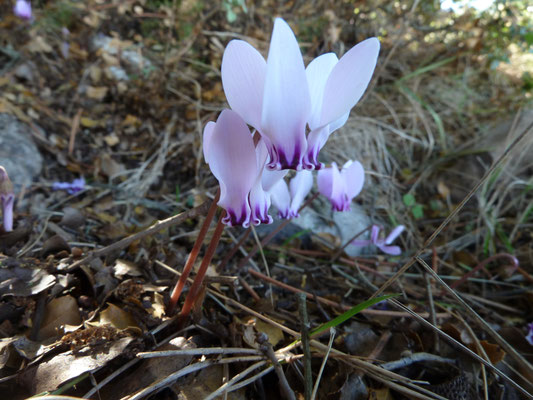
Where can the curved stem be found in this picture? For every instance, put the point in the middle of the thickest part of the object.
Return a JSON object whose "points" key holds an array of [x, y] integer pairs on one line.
{"points": [[192, 296], [193, 255]]}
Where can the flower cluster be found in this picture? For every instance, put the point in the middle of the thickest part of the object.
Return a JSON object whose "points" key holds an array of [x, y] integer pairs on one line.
{"points": [[293, 109], [384, 244], [7, 197]]}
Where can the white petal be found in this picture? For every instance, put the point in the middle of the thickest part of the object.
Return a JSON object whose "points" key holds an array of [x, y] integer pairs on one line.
{"points": [[243, 78], [270, 178], [300, 186], [208, 135], [317, 73], [281, 198], [286, 102], [353, 176], [349, 79]]}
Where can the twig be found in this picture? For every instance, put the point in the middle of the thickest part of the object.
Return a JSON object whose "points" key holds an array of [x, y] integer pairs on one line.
{"points": [[482, 264], [160, 225], [502, 342], [452, 215], [266, 347], [227, 387], [197, 351], [304, 323], [323, 365], [193, 255], [334, 304], [233, 250]]}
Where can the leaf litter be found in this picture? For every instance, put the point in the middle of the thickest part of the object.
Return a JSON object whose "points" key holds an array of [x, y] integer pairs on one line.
{"points": [[144, 80]]}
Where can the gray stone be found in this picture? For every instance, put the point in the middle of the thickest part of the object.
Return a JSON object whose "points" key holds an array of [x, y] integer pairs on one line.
{"points": [[344, 225], [18, 153]]}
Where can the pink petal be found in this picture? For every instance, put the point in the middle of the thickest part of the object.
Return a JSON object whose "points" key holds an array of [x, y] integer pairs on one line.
{"points": [[315, 141], [300, 186], [330, 185], [259, 199], [286, 102], [361, 242], [233, 161], [374, 234], [391, 250], [353, 176], [22, 9], [243, 78], [394, 234], [317, 73], [7, 211], [349, 79], [208, 135], [270, 178], [281, 198]]}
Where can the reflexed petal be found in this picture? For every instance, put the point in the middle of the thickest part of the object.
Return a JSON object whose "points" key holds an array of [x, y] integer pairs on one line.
{"points": [[317, 73], [315, 141], [394, 234], [281, 198], [259, 199], [286, 102], [243, 78], [7, 211], [300, 186], [208, 134], [270, 178], [349, 79], [374, 234], [330, 185], [232, 159], [259, 204], [338, 123], [353, 176], [391, 250]]}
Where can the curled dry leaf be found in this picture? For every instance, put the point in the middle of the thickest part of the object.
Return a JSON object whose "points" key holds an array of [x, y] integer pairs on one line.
{"points": [[23, 282], [117, 318], [59, 313]]}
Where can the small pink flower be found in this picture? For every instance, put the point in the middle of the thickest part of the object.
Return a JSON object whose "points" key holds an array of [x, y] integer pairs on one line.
{"points": [[340, 187], [383, 244], [22, 9], [288, 200], [7, 197]]}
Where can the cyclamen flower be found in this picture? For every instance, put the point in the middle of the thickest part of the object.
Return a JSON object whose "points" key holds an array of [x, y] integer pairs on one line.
{"points": [[22, 9], [280, 97], [288, 202], [7, 197], [383, 244], [340, 187], [238, 165]]}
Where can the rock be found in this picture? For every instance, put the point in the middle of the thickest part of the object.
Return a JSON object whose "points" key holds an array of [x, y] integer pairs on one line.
{"points": [[323, 222], [18, 153]]}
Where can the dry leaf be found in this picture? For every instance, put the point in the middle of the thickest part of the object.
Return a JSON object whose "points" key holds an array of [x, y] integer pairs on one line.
{"points": [[39, 45], [97, 92], [59, 312], [124, 267], [117, 318]]}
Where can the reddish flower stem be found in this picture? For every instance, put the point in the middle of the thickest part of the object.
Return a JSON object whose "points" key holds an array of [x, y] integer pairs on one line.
{"points": [[193, 255], [197, 283]]}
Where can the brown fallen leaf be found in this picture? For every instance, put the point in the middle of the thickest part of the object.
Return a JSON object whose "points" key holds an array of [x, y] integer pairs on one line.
{"points": [[97, 92], [60, 312], [48, 375], [117, 318]]}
